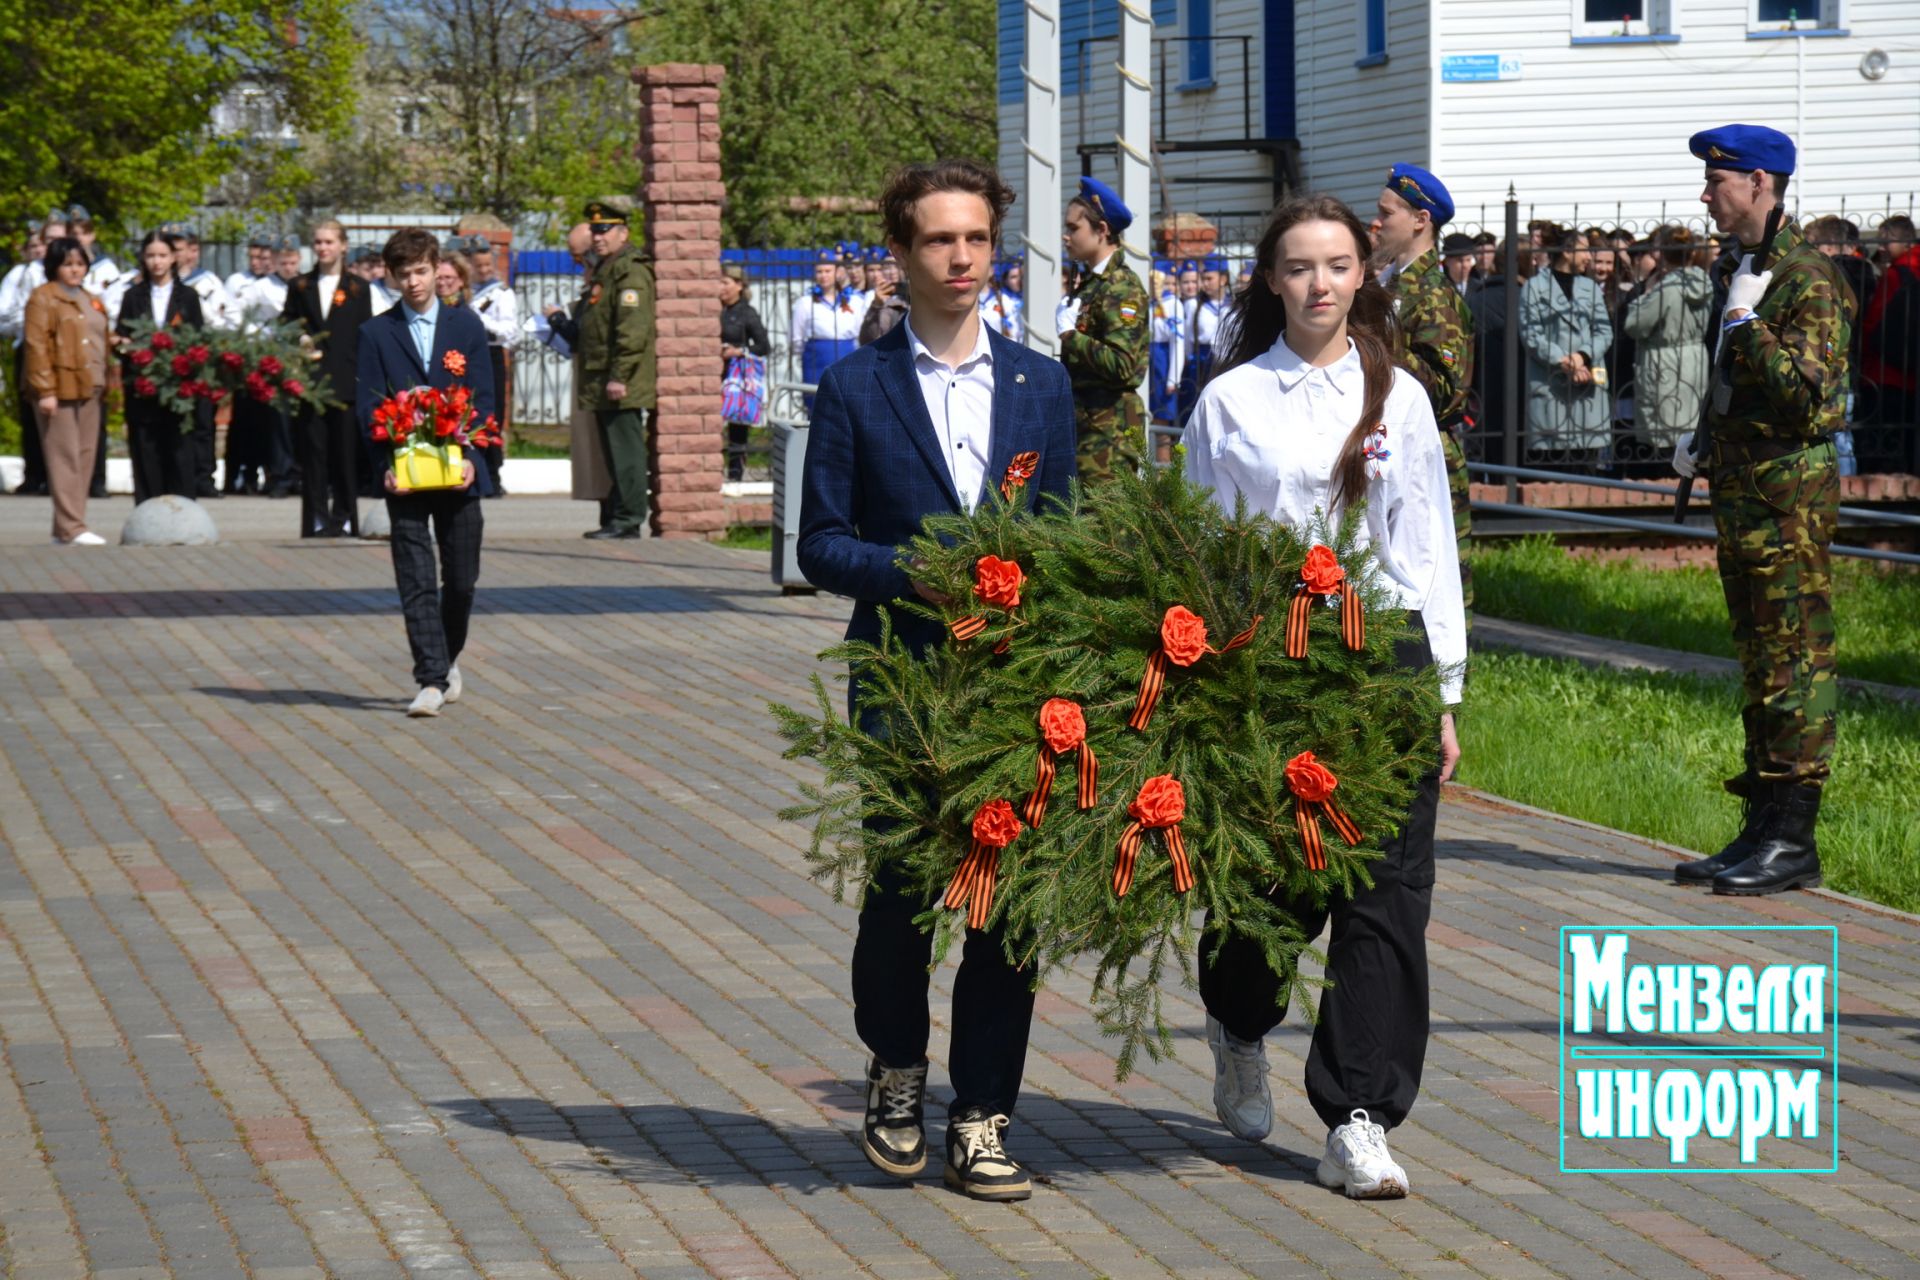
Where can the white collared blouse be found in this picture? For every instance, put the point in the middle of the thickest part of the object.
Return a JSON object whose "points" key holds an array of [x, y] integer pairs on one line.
{"points": [[1272, 429]]}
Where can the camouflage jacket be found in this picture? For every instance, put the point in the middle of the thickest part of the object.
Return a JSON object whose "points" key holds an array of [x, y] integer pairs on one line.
{"points": [[1439, 334], [1106, 353], [1788, 370], [617, 333]]}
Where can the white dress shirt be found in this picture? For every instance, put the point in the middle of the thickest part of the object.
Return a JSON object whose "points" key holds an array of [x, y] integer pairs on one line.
{"points": [[327, 284], [960, 402], [14, 292], [216, 304], [1272, 429], [499, 312], [162, 294]]}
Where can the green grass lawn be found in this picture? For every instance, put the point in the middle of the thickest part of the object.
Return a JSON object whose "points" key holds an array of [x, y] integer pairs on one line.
{"points": [[749, 537], [1876, 610], [1645, 752]]}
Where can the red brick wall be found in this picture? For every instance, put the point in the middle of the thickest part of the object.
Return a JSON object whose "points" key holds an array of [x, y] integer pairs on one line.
{"points": [[682, 193]]}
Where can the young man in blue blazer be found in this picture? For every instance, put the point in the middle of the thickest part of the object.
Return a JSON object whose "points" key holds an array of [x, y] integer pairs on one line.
{"points": [[423, 342], [925, 420]]}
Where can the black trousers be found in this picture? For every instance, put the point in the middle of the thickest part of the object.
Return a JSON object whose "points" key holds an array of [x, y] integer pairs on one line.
{"points": [[249, 444], [203, 440], [435, 600], [1371, 1042], [283, 459], [496, 454], [992, 1000], [329, 463], [33, 460], [161, 453]]}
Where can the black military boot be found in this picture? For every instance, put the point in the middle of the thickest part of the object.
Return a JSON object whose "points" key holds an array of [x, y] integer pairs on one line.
{"points": [[1756, 797], [1787, 857]]}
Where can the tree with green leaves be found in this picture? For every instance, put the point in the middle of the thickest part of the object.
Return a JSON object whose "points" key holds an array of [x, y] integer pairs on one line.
{"points": [[139, 112], [1225, 731], [823, 97]]}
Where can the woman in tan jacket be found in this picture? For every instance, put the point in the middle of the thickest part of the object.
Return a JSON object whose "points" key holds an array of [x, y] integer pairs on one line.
{"points": [[66, 341]]}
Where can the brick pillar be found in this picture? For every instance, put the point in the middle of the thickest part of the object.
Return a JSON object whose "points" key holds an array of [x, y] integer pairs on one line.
{"points": [[681, 196]]}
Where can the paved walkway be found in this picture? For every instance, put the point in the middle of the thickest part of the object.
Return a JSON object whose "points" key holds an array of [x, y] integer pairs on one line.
{"points": [[291, 985]]}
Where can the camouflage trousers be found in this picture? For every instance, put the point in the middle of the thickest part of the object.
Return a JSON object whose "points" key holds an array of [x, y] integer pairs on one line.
{"points": [[1776, 520], [1111, 438]]}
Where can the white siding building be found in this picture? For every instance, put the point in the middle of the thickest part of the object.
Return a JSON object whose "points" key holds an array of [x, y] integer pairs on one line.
{"points": [[1584, 106]]}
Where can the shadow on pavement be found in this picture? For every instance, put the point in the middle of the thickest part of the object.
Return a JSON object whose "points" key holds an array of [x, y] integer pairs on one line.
{"points": [[303, 697], [583, 599], [1502, 853], [1058, 1141]]}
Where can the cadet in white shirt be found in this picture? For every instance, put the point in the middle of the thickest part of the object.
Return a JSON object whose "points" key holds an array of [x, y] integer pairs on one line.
{"points": [[499, 311], [1307, 416], [1167, 349], [19, 284], [1001, 303], [216, 304], [256, 293], [825, 325]]}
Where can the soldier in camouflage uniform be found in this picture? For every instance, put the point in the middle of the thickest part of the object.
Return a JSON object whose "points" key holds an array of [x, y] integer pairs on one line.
{"points": [[1768, 451], [618, 363], [1436, 322], [1105, 335]]}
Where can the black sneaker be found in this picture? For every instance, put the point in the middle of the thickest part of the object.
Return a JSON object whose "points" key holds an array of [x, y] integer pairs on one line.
{"points": [[893, 1138], [977, 1163]]}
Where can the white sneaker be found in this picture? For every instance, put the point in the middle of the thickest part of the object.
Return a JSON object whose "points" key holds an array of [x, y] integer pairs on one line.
{"points": [[85, 538], [427, 702], [1241, 1095], [1358, 1162], [454, 684]]}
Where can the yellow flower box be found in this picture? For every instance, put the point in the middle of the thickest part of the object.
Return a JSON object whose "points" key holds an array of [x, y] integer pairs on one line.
{"points": [[426, 466]]}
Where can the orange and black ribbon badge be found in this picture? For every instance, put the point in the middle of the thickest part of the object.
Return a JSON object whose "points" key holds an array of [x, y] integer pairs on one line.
{"points": [[1321, 577], [1183, 642], [1312, 784], [996, 582], [1019, 471], [1162, 804], [1063, 728], [994, 827]]}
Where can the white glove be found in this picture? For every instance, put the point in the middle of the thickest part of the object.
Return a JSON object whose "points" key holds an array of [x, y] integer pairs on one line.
{"points": [[1745, 289], [1684, 463], [1066, 315]]}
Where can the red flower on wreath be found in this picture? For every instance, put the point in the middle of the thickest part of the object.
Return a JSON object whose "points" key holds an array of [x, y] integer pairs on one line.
{"points": [[260, 388], [1309, 779], [271, 366], [1162, 802], [995, 824], [998, 581], [295, 387], [182, 366], [162, 342], [232, 361], [144, 387], [1322, 572], [1062, 724], [141, 358], [456, 363], [1183, 634]]}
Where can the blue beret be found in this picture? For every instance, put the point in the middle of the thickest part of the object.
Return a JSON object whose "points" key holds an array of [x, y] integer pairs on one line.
{"points": [[288, 241], [879, 253], [1421, 190], [828, 256], [1162, 265], [1107, 203], [78, 213], [1214, 262], [1744, 148], [1246, 269], [259, 240], [1188, 267]]}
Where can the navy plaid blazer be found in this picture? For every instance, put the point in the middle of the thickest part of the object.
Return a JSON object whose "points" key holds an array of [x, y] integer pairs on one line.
{"points": [[875, 468]]}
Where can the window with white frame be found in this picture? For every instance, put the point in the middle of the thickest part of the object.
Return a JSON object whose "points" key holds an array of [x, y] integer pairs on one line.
{"points": [[1373, 33], [1795, 15], [1622, 19]]}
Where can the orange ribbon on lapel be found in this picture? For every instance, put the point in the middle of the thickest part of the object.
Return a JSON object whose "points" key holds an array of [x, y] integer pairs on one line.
{"points": [[1019, 471]]}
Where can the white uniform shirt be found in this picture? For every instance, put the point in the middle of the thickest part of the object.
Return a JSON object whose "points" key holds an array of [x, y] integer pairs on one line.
{"points": [[328, 286], [216, 304], [257, 300], [1206, 322], [817, 316], [1272, 429], [1169, 330], [960, 402], [381, 297], [499, 312], [162, 294], [14, 291]]}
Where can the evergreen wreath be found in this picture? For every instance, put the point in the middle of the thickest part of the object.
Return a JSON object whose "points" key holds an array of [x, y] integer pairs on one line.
{"points": [[1251, 768]]}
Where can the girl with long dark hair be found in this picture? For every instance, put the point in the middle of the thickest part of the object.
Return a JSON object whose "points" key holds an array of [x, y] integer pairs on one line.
{"points": [[158, 442], [1308, 419]]}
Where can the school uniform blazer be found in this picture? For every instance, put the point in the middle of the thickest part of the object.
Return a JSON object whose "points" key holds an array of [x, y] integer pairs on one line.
{"points": [[875, 469], [335, 336], [183, 311], [390, 362]]}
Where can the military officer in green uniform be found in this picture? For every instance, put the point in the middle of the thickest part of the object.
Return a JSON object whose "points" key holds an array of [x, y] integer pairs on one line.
{"points": [[1436, 321], [1779, 393], [1105, 331], [618, 360]]}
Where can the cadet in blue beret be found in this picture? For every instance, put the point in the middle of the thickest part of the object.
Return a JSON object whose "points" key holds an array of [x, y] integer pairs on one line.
{"points": [[825, 325], [1421, 190], [1207, 311], [1105, 332], [1778, 396]]}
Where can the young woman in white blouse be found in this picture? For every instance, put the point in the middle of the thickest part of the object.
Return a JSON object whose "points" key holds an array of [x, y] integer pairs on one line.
{"points": [[1306, 416]]}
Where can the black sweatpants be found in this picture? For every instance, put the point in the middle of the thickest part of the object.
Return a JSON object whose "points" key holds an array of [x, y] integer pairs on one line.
{"points": [[1371, 1041], [436, 600], [992, 1000], [160, 451], [329, 466]]}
